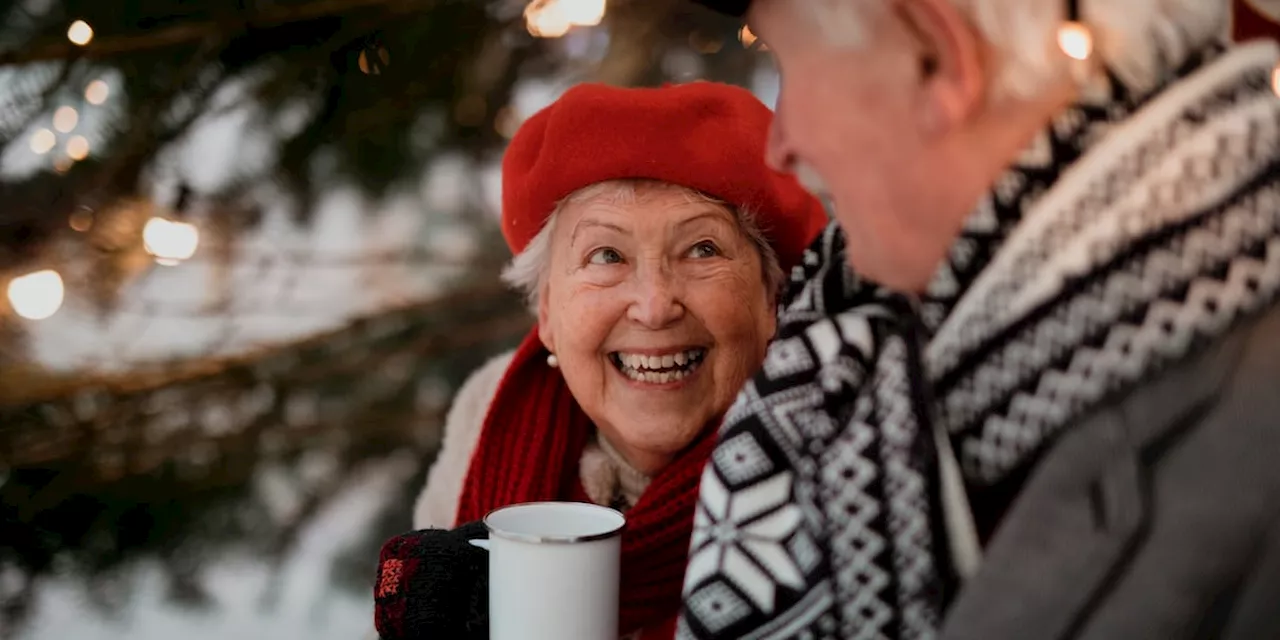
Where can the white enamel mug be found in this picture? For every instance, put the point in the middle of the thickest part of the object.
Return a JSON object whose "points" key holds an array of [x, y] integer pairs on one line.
{"points": [[554, 571]]}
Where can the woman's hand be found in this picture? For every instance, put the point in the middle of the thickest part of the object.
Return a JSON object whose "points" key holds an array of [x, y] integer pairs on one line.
{"points": [[433, 584]]}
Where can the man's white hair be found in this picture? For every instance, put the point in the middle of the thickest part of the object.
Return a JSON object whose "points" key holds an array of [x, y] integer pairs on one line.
{"points": [[1140, 40], [528, 270]]}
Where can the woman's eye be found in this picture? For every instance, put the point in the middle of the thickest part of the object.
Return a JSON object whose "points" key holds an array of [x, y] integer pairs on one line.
{"points": [[604, 256], [705, 249]]}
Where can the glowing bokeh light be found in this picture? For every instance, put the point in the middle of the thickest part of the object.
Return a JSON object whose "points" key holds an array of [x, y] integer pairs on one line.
{"points": [[65, 119], [169, 241], [547, 19], [97, 92], [38, 295], [1075, 40], [43, 141], [78, 148], [80, 33], [583, 13]]}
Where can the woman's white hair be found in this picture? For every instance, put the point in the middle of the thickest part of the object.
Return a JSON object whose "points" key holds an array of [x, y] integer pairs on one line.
{"points": [[527, 271], [1140, 40]]}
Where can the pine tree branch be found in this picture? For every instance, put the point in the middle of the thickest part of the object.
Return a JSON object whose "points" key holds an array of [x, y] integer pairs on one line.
{"points": [[26, 107], [20, 386], [108, 46]]}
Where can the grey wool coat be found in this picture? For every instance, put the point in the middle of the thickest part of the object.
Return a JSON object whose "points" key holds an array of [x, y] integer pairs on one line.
{"points": [[1159, 517]]}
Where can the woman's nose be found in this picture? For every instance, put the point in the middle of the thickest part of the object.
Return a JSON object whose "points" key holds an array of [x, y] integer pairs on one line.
{"points": [[658, 302]]}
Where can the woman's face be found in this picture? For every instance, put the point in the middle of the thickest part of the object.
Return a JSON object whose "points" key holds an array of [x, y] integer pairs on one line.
{"points": [[657, 310]]}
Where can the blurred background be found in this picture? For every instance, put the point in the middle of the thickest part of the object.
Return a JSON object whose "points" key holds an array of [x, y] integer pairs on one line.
{"points": [[248, 249]]}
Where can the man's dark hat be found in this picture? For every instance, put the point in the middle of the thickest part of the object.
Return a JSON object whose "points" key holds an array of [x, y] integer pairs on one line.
{"points": [[736, 8]]}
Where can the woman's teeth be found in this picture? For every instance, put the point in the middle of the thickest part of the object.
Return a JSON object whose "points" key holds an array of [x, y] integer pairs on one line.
{"points": [[659, 369]]}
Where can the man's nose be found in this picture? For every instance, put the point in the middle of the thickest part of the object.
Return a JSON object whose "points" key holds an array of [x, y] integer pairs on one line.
{"points": [[659, 298]]}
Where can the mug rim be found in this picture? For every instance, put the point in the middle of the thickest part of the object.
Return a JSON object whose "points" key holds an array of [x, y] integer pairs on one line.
{"points": [[555, 539]]}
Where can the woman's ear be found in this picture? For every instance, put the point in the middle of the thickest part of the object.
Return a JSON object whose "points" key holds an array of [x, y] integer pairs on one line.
{"points": [[953, 77], [544, 327]]}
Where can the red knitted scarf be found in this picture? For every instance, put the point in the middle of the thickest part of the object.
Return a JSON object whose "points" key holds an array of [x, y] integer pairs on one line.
{"points": [[530, 449]]}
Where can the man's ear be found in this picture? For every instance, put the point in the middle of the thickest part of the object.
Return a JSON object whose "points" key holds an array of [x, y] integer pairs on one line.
{"points": [[954, 78], [544, 328]]}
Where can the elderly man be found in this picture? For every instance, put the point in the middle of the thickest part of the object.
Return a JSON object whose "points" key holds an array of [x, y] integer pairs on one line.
{"points": [[1027, 384]]}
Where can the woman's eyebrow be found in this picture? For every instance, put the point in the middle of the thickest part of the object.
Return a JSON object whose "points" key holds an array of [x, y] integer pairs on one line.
{"points": [[712, 214], [587, 223]]}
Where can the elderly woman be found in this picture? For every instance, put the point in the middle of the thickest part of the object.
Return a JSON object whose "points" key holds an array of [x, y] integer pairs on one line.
{"points": [[1054, 414], [651, 240]]}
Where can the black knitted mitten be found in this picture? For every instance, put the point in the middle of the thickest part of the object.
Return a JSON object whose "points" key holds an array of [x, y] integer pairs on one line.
{"points": [[433, 584]]}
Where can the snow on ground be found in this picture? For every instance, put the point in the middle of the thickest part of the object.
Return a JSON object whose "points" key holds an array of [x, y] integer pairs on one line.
{"points": [[306, 606]]}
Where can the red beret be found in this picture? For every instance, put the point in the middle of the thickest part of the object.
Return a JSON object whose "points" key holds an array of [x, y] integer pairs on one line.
{"points": [[703, 135]]}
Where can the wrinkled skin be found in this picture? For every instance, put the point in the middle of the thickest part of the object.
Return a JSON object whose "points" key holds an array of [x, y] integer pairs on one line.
{"points": [[897, 126], [659, 275]]}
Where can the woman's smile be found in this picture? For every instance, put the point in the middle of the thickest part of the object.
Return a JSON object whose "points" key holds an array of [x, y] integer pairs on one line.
{"points": [[664, 369]]}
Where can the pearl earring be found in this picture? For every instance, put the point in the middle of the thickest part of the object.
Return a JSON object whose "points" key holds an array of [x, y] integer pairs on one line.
{"points": [[553, 361]]}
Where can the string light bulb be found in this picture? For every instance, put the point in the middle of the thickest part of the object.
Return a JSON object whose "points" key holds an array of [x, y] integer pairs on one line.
{"points": [[81, 220], [78, 148], [37, 295], [80, 33], [584, 13], [169, 241], [750, 41], [97, 92], [65, 119], [1074, 38], [43, 141], [547, 19]]}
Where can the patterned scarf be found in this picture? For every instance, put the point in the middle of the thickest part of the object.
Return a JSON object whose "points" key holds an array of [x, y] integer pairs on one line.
{"points": [[1136, 229]]}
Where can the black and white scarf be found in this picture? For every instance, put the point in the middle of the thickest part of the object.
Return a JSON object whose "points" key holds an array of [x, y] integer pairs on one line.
{"points": [[1136, 229]]}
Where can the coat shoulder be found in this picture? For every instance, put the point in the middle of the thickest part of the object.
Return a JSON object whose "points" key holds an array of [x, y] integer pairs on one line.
{"points": [[437, 503], [1123, 506]]}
